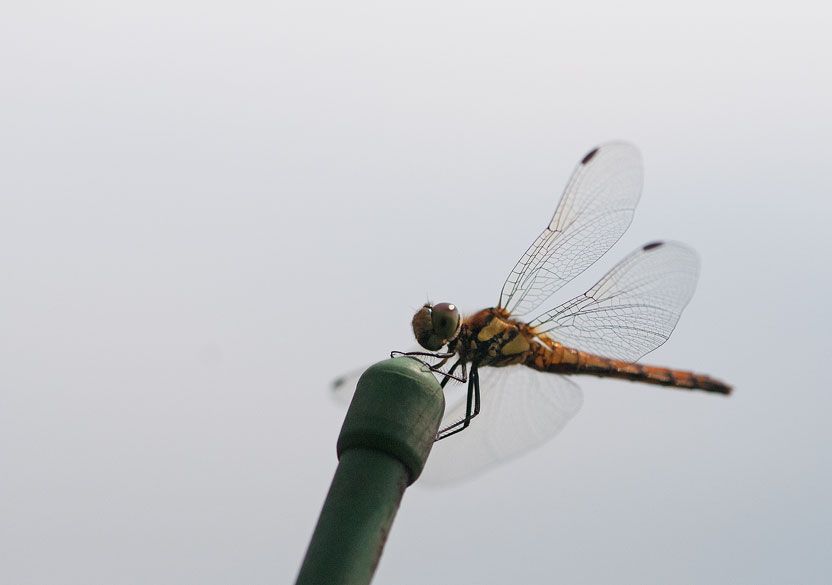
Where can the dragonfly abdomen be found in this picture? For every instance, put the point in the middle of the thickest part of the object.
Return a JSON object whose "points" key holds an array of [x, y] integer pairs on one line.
{"points": [[559, 359]]}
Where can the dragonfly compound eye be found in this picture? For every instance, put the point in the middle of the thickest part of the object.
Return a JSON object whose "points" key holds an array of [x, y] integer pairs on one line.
{"points": [[445, 320], [434, 326]]}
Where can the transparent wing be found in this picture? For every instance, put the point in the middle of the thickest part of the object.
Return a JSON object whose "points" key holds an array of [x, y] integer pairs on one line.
{"points": [[633, 308], [521, 409], [343, 387], [594, 212]]}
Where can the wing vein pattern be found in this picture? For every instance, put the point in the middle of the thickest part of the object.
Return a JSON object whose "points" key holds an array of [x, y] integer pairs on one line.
{"points": [[594, 212], [633, 309]]}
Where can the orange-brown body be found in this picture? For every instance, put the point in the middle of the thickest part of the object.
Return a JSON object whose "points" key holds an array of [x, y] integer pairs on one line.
{"points": [[492, 338]]}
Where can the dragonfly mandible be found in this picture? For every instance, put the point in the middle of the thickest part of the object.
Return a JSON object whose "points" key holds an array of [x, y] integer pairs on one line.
{"points": [[516, 370]]}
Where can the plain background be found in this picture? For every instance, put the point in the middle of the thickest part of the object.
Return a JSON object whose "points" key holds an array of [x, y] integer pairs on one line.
{"points": [[210, 210]]}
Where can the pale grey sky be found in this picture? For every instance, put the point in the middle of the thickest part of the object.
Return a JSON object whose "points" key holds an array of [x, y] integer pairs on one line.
{"points": [[208, 211]]}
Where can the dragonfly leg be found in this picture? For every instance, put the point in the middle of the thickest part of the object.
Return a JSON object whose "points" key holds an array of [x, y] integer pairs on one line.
{"points": [[433, 354], [472, 406], [444, 356], [449, 375]]}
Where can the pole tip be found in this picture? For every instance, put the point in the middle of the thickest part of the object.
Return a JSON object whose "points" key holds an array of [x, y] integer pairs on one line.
{"points": [[397, 408]]}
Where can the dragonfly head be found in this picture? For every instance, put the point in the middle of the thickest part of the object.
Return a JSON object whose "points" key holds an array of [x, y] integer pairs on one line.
{"points": [[436, 325]]}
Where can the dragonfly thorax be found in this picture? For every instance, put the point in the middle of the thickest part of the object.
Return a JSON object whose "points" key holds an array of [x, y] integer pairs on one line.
{"points": [[491, 338]]}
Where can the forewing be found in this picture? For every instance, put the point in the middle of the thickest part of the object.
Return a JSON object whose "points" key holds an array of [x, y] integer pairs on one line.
{"points": [[594, 212], [521, 409], [633, 308]]}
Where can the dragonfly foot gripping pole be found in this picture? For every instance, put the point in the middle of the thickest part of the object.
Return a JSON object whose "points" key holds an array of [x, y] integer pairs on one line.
{"points": [[384, 443]]}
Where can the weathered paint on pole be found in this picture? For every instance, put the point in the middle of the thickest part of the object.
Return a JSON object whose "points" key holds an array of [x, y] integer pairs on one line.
{"points": [[384, 443]]}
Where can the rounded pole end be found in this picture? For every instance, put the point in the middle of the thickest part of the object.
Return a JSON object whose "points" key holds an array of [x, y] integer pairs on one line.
{"points": [[397, 408]]}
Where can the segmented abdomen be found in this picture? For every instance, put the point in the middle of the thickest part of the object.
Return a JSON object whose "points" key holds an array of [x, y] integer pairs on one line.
{"points": [[557, 358]]}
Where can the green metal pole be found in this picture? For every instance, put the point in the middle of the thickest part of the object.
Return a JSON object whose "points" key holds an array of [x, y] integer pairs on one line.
{"points": [[384, 443]]}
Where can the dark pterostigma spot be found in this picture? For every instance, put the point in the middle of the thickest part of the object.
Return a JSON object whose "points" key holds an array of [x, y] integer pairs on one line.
{"points": [[652, 245], [589, 156]]}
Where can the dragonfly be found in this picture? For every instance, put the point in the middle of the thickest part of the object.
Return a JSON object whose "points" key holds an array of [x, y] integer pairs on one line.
{"points": [[519, 372]]}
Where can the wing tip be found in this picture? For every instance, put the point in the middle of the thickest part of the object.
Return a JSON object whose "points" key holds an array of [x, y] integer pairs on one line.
{"points": [[589, 156], [619, 145]]}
